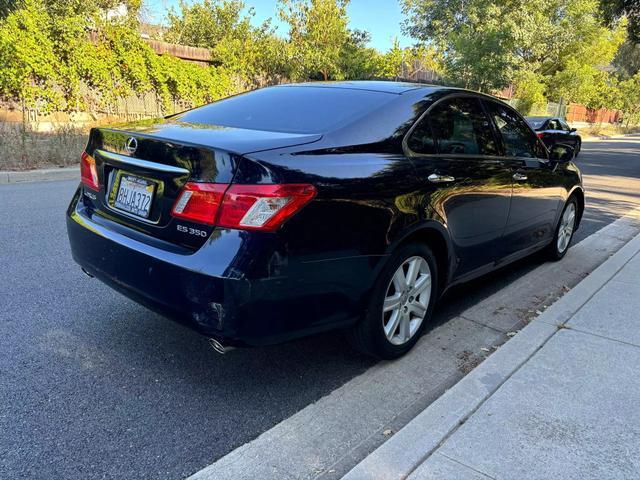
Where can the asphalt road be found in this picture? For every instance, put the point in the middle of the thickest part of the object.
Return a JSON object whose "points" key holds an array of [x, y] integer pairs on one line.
{"points": [[94, 386]]}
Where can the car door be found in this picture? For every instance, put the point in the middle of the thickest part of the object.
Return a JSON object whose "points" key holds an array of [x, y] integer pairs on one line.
{"points": [[569, 137], [463, 181], [537, 189]]}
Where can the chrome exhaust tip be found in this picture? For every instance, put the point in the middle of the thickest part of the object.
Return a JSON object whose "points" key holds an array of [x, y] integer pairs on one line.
{"points": [[219, 347]]}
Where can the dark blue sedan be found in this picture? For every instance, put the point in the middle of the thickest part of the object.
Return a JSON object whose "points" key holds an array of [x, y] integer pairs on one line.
{"points": [[297, 209]]}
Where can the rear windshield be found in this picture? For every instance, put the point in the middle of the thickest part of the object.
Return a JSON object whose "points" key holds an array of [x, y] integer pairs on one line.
{"points": [[536, 122], [289, 109]]}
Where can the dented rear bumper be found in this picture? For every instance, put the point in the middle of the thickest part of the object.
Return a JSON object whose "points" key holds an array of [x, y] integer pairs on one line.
{"points": [[238, 288]]}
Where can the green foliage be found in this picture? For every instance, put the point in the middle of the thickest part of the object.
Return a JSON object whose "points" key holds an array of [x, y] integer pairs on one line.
{"points": [[627, 59], [207, 23], [53, 52], [317, 35], [255, 55], [29, 71], [613, 10], [471, 36], [629, 93], [50, 49], [400, 62], [553, 48], [358, 61], [529, 91], [6, 6]]}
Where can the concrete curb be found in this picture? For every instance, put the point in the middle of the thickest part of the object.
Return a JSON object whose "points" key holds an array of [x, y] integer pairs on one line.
{"points": [[42, 175], [601, 138], [406, 450]]}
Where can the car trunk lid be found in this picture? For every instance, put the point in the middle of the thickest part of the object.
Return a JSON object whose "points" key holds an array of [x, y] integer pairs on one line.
{"points": [[142, 169]]}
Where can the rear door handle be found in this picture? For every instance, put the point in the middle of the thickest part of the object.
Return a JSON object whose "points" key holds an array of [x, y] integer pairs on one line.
{"points": [[519, 177], [436, 178]]}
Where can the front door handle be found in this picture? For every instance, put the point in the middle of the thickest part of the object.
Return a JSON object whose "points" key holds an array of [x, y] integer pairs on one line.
{"points": [[519, 177], [436, 178]]}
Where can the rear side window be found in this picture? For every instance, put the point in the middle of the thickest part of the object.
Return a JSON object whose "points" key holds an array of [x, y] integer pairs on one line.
{"points": [[289, 109], [518, 139], [459, 126]]}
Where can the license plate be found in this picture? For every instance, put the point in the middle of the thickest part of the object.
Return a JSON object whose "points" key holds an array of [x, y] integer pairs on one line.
{"points": [[135, 195]]}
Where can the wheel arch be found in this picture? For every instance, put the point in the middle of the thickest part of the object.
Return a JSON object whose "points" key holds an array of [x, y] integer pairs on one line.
{"points": [[578, 193], [437, 238]]}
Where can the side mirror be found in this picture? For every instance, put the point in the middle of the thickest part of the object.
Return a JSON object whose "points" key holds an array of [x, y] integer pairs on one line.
{"points": [[561, 153], [573, 129]]}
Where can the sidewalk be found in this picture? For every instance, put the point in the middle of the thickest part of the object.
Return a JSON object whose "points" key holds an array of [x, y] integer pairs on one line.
{"points": [[561, 400], [42, 175]]}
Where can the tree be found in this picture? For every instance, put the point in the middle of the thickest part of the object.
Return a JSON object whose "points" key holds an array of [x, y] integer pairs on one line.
{"points": [[6, 7], [29, 70], [357, 61], [630, 96], [404, 63], [614, 10], [487, 45], [317, 35], [205, 24], [627, 59], [252, 53], [50, 49]]}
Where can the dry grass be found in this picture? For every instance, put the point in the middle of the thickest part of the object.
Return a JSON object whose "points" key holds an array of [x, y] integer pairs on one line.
{"points": [[607, 130], [22, 149]]}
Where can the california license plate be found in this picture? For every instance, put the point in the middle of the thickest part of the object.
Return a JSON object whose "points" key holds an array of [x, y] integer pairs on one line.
{"points": [[135, 195]]}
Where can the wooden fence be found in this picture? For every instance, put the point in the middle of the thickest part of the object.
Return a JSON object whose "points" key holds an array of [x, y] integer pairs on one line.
{"points": [[580, 113]]}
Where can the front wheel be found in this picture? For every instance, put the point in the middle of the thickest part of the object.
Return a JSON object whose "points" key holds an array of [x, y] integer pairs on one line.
{"points": [[400, 305], [564, 231]]}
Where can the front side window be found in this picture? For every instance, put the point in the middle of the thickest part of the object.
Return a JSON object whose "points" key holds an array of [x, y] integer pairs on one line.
{"points": [[518, 139], [564, 125], [460, 126]]}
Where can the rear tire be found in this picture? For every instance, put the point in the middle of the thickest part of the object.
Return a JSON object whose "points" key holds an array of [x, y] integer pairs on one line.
{"points": [[558, 248], [400, 305]]}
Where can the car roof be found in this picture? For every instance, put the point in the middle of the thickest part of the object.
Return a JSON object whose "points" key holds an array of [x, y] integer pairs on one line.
{"points": [[371, 85]]}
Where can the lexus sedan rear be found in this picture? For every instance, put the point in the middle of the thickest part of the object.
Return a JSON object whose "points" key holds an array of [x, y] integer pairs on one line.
{"points": [[297, 209]]}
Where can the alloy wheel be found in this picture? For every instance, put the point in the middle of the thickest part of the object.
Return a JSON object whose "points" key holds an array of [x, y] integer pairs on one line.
{"points": [[407, 300], [567, 224]]}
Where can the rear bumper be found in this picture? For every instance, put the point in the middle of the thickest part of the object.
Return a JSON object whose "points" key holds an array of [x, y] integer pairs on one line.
{"points": [[215, 290]]}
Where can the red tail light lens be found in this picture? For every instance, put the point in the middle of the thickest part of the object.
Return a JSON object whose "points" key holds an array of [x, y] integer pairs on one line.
{"points": [[89, 171], [540, 134], [242, 207], [263, 207], [199, 202]]}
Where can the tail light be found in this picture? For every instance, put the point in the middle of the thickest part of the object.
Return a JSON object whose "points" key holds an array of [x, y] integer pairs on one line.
{"points": [[88, 171], [243, 207], [199, 202], [540, 134]]}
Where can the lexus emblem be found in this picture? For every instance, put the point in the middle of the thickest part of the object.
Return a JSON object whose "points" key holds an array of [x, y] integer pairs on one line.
{"points": [[131, 145]]}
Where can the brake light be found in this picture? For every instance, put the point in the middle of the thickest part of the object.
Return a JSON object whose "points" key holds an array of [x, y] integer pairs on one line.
{"points": [[242, 207], [89, 171], [540, 134], [263, 207], [199, 202]]}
